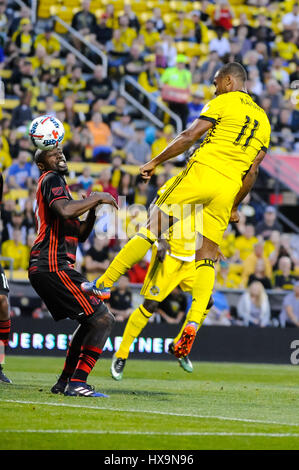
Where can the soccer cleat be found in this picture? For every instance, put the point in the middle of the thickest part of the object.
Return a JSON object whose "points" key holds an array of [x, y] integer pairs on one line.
{"points": [[59, 387], [117, 367], [90, 288], [81, 389], [183, 346], [184, 362], [3, 377]]}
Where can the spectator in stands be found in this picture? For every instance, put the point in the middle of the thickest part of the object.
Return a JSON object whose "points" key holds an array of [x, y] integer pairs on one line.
{"points": [[254, 307], [270, 223], [285, 46], [15, 249], [181, 27], [279, 73], [29, 219], [105, 181], [127, 33], [165, 136], [158, 20], [132, 17], [198, 32], [103, 32], [100, 88], [21, 173], [48, 41], [245, 243], [223, 15], [219, 314], [14, 26], [41, 312], [273, 92], [284, 278], [72, 84], [289, 316], [291, 19], [24, 38], [97, 257], [243, 39], [100, 132], [150, 35], [5, 157], [22, 78], [137, 150], [195, 106], [122, 131], [84, 22], [86, 180], [134, 63], [15, 222], [138, 272], [262, 32], [149, 79], [259, 275], [227, 277], [281, 247], [120, 302], [172, 309], [210, 67], [125, 188], [121, 107], [178, 77], [220, 43], [117, 51], [22, 114], [75, 148], [250, 263]]}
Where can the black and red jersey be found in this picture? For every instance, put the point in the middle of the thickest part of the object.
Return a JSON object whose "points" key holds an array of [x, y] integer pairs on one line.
{"points": [[57, 239]]}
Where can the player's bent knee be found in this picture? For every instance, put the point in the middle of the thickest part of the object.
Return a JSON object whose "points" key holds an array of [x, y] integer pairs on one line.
{"points": [[100, 316]]}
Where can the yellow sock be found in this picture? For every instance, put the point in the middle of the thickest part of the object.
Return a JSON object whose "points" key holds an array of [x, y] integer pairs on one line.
{"points": [[131, 253], [202, 289], [136, 322]]}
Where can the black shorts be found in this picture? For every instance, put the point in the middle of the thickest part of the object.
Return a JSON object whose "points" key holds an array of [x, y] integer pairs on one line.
{"points": [[62, 294], [4, 288]]}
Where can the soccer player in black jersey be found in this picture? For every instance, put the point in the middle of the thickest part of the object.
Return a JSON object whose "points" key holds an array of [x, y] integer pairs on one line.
{"points": [[4, 310], [53, 276]]}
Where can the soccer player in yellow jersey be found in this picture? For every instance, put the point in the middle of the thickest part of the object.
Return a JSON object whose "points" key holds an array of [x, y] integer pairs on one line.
{"points": [[218, 176], [172, 264]]}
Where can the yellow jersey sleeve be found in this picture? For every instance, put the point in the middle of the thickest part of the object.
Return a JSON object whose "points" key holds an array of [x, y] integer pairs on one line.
{"points": [[213, 110]]}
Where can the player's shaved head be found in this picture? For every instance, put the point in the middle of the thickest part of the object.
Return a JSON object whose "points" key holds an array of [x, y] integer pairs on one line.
{"points": [[39, 156], [235, 69]]}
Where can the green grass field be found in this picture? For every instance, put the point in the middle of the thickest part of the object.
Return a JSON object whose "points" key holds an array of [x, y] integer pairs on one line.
{"points": [[156, 406]]}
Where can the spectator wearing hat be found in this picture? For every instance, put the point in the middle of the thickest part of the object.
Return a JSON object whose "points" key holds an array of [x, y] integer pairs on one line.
{"points": [[48, 41], [103, 32], [289, 315], [23, 38], [195, 106], [180, 78], [266, 226]]}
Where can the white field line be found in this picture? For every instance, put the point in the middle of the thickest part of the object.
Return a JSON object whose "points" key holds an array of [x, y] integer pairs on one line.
{"points": [[121, 410], [150, 433]]}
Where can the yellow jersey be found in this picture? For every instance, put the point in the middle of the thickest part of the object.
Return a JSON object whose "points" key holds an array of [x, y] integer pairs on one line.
{"points": [[240, 130]]}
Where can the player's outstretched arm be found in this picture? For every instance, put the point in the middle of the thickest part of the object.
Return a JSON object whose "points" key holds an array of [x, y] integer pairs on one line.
{"points": [[177, 146], [248, 182], [73, 209]]}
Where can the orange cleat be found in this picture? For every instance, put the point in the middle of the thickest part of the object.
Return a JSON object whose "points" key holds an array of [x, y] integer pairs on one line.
{"points": [[183, 346]]}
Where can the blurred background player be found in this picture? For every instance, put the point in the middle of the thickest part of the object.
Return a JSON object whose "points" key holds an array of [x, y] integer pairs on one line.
{"points": [[172, 264], [53, 277], [5, 322]]}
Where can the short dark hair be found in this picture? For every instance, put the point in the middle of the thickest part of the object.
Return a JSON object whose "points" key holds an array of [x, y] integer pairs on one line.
{"points": [[39, 156], [235, 69]]}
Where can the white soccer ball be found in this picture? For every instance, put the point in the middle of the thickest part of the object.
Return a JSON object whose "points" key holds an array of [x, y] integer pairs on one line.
{"points": [[46, 132]]}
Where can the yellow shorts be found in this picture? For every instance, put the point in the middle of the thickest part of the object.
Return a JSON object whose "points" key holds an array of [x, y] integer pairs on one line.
{"points": [[203, 186], [163, 278]]}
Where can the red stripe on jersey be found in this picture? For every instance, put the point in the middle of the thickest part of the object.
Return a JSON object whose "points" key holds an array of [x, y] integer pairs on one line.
{"points": [[56, 199], [77, 293], [70, 255], [40, 213], [56, 244]]}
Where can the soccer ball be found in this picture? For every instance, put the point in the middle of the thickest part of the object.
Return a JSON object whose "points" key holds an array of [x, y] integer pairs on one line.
{"points": [[46, 132]]}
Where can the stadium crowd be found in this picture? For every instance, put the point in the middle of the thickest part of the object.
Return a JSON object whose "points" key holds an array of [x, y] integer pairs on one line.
{"points": [[179, 50]]}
